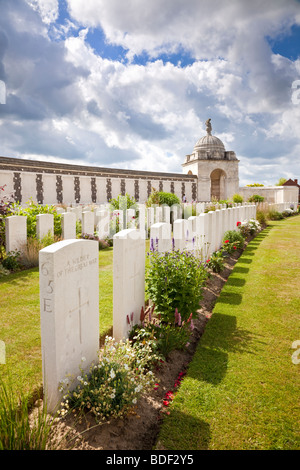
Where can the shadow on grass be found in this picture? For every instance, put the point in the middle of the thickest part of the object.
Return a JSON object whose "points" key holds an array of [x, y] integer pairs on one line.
{"points": [[222, 336], [18, 277], [188, 432]]}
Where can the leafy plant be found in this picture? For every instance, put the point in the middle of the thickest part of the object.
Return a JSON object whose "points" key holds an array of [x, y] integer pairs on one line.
{"points": [[20, 429], [248, 227], [274, 215], [256, 198], [232, 240], [161, 197], [123, 202], [161, 337], [261, 217], [12, 261], [216, 262], [113, 386], [237, 198], [35, 209], [175, 280]]}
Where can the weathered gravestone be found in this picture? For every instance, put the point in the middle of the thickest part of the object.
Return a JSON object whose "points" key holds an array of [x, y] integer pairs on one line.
{"points": [[69, 306]]}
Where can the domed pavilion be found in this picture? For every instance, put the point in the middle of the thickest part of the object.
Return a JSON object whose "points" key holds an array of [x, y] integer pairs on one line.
{"points": [[217, 169]]}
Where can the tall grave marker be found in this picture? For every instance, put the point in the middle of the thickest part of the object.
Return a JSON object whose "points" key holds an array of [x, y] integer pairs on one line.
{"points": [[69, 306]]}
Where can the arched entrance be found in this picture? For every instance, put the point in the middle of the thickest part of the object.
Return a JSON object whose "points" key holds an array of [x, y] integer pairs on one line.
{"points": [[218, 185]]}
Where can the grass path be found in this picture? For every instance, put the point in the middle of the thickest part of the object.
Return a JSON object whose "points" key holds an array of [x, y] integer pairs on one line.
{"points": [[242, 387]]}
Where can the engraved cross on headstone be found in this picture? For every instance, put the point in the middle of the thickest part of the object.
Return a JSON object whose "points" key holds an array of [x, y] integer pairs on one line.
{"points": [[80, 305]]}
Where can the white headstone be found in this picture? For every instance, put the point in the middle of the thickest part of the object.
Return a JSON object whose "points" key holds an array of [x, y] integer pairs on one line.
{"points": [[158, 214], [130, 218], [128, 281], [44, 225], [69, 305], [180, 229], [160, 233], [88, 222], [15, 233], [142, 219], [102, 223], [68, 223]]}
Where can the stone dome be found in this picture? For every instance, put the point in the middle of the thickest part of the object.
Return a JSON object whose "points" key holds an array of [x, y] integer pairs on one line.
{"points": [[209, 143]]}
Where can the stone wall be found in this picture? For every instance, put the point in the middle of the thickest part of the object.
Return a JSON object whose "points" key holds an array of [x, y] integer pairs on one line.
{"points": [[54, 183], [272, 194]]}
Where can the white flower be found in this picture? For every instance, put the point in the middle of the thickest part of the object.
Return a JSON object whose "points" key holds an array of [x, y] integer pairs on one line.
{"points": [[134, 401], [112, 374], [83, 359]]}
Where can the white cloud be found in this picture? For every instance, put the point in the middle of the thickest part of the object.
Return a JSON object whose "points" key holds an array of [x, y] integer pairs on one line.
{"points": [[66, 102], [48, 9]]}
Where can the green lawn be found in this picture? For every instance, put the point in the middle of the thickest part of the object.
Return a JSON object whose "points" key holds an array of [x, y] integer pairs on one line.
{"points": [[242, 388]]}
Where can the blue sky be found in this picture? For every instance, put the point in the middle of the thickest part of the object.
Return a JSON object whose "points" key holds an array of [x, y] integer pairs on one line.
{"points": [[131, 84]]}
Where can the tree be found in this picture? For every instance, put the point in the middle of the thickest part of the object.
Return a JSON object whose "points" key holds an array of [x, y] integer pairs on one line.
{"points": [[281, 181]]}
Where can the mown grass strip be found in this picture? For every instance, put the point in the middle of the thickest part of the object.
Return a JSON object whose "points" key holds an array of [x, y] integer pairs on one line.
{"points": [[242, 388]]}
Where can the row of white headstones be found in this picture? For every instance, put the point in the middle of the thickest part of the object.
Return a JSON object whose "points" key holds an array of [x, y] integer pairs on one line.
{"points": [[102, 221], [69, 289]]}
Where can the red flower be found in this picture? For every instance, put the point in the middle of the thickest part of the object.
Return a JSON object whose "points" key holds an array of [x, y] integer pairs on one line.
{"points": [[238, 223], [226, 241], [234, 247]]}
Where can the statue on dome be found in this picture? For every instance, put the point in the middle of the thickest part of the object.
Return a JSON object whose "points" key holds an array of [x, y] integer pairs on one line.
{"points": [[208, 126]]}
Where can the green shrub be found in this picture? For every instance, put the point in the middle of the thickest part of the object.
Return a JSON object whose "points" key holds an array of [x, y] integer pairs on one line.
{"points": [[112, 387], [249, 227], [123, 202], [237, 198], [12, 261], [261, 217], [256, 198], [232, 241], [175, 280], [216, 262], [162, 337], [274, 215], [35, 209], [161, 197]]}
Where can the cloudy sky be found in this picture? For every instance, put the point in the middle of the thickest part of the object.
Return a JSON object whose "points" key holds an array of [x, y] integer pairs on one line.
{"points": [[130, 83]]}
